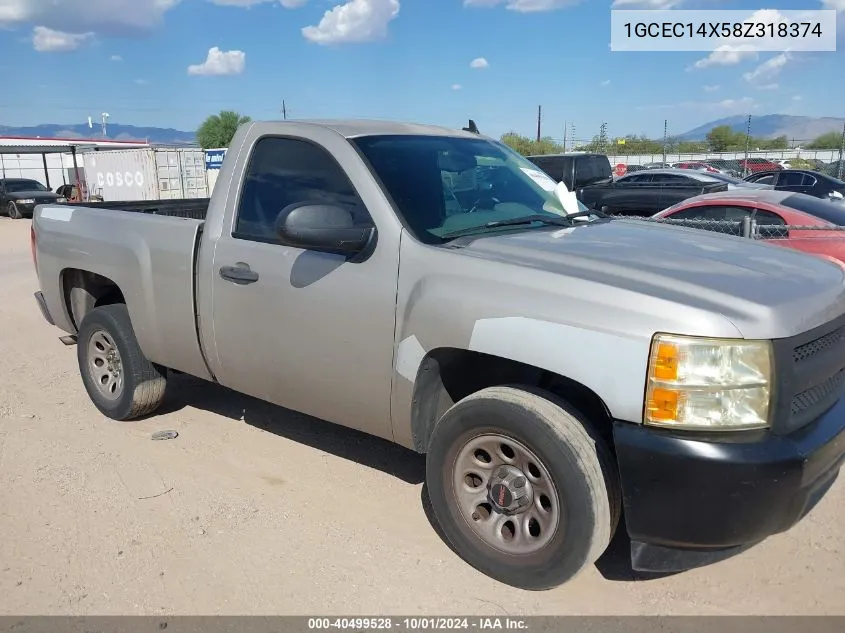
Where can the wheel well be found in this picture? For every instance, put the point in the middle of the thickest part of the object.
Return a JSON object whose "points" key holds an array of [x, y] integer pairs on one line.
{"points": [[83, 291], [447, 375]]}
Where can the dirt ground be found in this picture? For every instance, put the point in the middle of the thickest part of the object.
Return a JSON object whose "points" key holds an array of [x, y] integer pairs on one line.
{"points": [[248, 511]]}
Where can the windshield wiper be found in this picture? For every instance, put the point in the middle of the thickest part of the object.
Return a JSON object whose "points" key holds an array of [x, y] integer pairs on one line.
{"points": [[563, 220]]}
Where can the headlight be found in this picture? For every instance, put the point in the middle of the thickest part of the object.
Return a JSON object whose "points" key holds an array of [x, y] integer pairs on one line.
{"points": [[26, 201], [706, 384]]}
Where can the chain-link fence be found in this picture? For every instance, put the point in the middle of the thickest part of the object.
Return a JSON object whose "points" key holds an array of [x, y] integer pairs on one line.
{"points": [[748, 228]]}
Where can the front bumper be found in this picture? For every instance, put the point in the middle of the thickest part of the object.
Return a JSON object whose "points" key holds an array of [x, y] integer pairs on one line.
{"points": [[690, 500]]}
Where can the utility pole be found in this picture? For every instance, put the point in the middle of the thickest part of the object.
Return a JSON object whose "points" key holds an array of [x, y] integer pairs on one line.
{"points": [[572, 136], [565, 130], [284, 111], [745, 170], [665, 137], [539, 119], [602, 148], [841, 154]]}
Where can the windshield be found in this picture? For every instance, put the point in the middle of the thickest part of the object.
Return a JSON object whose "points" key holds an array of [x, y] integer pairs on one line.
{"points": [[832, 212], [14, 186], [443, 184]]}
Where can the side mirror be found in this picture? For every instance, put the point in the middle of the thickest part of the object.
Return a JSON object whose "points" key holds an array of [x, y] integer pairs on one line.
{"points": [[322, 227]]}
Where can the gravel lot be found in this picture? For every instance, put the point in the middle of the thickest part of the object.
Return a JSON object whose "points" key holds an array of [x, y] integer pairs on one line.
{"points": [[249, 511]]}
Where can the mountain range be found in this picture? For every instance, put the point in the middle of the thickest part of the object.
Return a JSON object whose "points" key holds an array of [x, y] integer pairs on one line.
{"points": [[801, 128]]}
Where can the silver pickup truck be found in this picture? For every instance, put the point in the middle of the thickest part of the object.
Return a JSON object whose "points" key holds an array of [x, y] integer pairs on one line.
{"points": [[563, 372]]}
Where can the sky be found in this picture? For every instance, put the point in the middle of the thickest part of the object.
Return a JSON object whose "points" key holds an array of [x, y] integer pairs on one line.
{"points": [[171, 63]]}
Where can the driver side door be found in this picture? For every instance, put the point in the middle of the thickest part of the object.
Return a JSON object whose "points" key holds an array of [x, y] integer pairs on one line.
{"points": [[307, 330]]}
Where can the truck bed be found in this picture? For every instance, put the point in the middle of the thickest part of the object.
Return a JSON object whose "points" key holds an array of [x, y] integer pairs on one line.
{"points": [[191, 208]]}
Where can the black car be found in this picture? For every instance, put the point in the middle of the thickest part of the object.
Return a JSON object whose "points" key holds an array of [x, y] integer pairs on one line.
{"points": [[812, 183], [18, 196], [575, 169], [646, 192]]}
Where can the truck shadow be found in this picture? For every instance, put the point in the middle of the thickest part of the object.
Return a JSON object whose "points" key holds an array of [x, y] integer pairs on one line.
{"points": [[361, 448], [367, 450]]}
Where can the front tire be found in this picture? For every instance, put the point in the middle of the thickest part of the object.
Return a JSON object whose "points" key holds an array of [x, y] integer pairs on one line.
{"points": [[119, 379], [13, 212], [522, 490]]}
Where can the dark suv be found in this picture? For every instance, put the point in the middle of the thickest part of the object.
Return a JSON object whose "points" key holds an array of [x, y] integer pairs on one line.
{"points": [[575, 169]]}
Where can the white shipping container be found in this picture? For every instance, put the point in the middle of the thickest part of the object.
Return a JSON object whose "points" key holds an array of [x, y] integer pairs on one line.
{"points": [[146, 174]]}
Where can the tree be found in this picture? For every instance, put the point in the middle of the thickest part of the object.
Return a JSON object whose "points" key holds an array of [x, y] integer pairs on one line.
{"points": [[831, 140], [722, 138], [530, 147], [218, 129]]}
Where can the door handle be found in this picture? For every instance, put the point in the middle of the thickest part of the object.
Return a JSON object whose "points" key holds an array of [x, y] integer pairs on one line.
{"points": [[239, 274]]}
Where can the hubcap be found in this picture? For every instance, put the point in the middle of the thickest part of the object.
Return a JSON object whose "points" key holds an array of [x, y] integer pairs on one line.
{"points": [[506, 494], [104, 365]]}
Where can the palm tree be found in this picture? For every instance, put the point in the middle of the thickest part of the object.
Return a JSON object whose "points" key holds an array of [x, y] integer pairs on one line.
{"points": [[218, 129]]}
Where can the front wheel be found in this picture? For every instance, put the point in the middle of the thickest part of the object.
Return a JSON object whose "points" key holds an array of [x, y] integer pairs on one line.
{"points": [[13, 211], [121, 382], [520, 487]]}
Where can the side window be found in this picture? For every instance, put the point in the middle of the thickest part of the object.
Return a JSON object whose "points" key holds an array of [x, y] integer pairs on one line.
{"points": [[674, 180], [700, 213], [736, 214], [791, 179], [638, 178], [768, 218], [284, 171], [768, 179]]}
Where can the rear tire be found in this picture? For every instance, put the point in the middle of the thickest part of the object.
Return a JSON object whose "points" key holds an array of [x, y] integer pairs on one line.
{"points": [[13, 212], [565, 469], [119, 379]]}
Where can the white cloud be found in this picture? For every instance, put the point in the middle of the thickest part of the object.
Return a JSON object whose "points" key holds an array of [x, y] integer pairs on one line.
{"points": [[725, 55], [479, 62], [288, 4], [352, 22], [606, 82], [46, 40], [220, 63], [836, 5], [524, 6], [774, 86], [456, 86], [646, 4], [112, 17], [713, 88], [116, 58], [725, 106], [768, 70]]}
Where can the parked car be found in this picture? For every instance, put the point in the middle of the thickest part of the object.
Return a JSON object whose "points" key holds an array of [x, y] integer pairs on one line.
{"points": [[18, 196], [753, 165], [646, 192], [554, 366], [774, 213], [654, 166], [805, 181], [575, 169], [697, 166]]}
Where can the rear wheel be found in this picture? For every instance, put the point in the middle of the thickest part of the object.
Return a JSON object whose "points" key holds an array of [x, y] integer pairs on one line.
{"points": [[520, 487], [14, 212], [119, 379]]}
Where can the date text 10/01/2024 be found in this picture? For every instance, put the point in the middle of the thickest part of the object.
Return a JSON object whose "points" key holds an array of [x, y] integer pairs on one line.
{"points": [[745, 30], [417, 623]]}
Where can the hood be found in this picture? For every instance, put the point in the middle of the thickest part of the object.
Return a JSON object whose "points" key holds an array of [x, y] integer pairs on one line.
{"points": [[38, 195], [765, 291]]}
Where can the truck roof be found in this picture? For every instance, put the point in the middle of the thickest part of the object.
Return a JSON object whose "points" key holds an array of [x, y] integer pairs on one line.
{"points": [[351, 128]]}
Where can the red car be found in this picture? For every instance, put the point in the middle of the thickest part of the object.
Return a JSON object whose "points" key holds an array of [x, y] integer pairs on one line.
{"points": [[753, 165], [698, 166], [771, 209]]}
